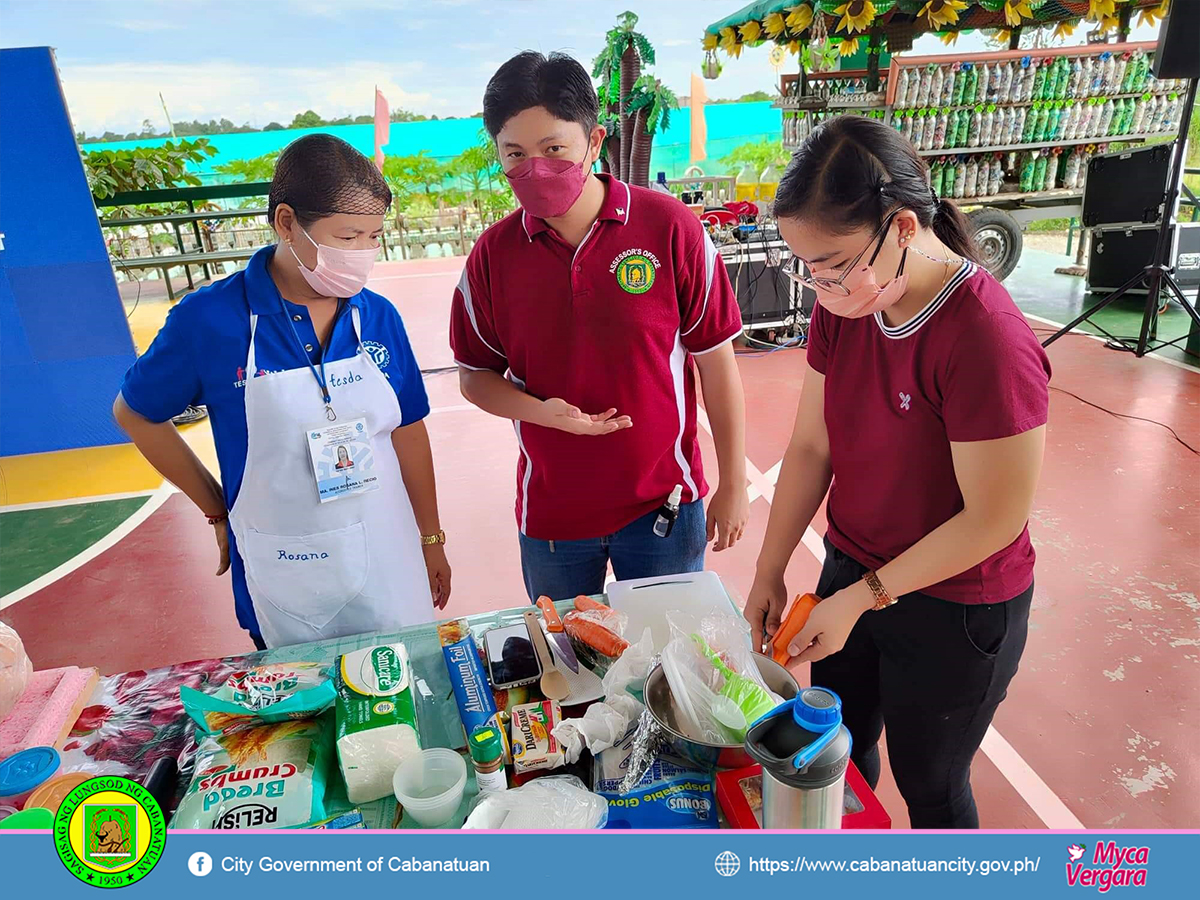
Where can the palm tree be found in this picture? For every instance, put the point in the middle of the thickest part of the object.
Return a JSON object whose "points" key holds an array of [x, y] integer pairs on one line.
{"points": [[607, 68], [634, 52], [649, 106]]}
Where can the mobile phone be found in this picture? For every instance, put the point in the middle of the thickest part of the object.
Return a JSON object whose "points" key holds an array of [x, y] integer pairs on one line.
{"points": [[511, 659]]}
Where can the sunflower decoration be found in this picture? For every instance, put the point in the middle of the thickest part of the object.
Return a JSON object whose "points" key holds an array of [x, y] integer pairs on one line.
{"points": [[709, 42], [799, 17], [948, 37], [1151, 15], [793, 47], [1098, 10], [729, 41], [774, 25], [856, 15], [848, 47], [1066, 28], [1015, 11], [751, 31], [1002, 35], [942, 12]]}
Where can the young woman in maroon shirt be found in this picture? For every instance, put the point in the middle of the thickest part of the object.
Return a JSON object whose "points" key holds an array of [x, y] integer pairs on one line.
{"points": [[923, 414]]}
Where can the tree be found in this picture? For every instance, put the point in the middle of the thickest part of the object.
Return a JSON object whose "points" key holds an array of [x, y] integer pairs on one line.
{"points": [[636, 51], [607, 68], [307, 119], [650, 103], [256, 169], [415, 170], [757, 154], [272, 126], [112, 172], [478, 166]]}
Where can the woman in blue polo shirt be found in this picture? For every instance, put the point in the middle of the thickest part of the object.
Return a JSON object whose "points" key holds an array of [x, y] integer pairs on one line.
{"points": [[303, 369]]}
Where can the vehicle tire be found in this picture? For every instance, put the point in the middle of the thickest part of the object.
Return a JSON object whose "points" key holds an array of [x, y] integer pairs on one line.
{"points": [[998, 239]]}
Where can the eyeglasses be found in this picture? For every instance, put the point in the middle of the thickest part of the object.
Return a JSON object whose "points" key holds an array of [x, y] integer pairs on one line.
{"points": [[800, 272]]}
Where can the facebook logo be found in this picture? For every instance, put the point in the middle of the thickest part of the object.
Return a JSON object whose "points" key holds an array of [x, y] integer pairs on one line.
{"points": [[200, 864]]}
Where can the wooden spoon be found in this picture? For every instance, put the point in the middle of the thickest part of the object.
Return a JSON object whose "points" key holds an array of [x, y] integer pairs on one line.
{"points": [[554, 683]]}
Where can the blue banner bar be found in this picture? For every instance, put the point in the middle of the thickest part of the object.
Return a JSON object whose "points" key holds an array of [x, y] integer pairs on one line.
{"points": [[674, 865]]}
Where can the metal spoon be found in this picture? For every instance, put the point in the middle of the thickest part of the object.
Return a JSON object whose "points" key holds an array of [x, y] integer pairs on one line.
{"points": [[554, 683]]}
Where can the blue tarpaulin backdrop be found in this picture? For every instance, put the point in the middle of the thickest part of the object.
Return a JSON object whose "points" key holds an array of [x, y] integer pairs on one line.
{"points": [[64, 341]]}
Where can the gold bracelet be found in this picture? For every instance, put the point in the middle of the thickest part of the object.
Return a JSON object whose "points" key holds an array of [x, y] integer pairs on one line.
{"points": [[430, 539], [882, 598]]}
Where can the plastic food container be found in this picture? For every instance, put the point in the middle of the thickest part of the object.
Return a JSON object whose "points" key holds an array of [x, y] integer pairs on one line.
{"points": [[24, 771], [34, 819], [51, 794], [430, 785]]}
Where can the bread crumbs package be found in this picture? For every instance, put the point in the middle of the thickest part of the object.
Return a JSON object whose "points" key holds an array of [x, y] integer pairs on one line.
{"points": [[270, 776]]}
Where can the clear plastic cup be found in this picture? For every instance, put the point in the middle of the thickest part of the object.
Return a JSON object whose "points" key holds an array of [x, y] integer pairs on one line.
{"points": [[430, 785]]}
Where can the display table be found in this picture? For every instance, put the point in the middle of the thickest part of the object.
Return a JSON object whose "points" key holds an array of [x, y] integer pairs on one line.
{"points": [[136, 718]]}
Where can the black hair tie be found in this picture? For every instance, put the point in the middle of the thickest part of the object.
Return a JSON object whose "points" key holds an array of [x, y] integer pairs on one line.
{"points": [[933, 194]]}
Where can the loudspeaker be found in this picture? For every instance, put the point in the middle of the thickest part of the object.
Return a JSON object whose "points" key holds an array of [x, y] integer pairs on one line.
{"points": [[1126, 186], [1118, 254], [1178, 53]]}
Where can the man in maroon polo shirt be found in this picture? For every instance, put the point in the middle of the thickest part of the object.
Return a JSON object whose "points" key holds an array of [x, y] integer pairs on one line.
{"points": [[578, 317]]}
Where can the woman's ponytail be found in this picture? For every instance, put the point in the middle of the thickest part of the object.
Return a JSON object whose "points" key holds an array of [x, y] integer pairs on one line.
{"points": [[953, 230]]}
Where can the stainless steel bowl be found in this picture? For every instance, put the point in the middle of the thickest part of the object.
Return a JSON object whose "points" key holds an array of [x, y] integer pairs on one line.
{"points": [[658, 699]]}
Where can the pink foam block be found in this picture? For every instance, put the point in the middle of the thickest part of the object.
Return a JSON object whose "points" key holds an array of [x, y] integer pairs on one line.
{"points": [[47, 709]]}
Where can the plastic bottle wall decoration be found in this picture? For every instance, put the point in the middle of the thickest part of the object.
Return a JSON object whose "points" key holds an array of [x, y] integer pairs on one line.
{"points": [[972, 176], [986, 126], [1003, 95], [901, 89], [936, 87], [930, 130], [996, 180], [1027, 168], [1074, 78], [974, 124], [918, 132], [946, 94], [960, 179]]}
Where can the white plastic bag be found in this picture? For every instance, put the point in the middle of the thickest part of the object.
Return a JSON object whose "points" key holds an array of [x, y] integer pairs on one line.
{"points": [[15, 669], [554, 802], [697, 683], [602, 725], [631, 668]]}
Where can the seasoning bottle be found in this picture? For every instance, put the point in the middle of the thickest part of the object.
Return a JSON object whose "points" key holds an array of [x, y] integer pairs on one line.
{"points": [[487, 755], [668, 512]]}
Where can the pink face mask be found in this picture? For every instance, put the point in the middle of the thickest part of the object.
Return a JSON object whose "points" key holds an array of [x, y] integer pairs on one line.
{"points": [[546, 187], [339, 273], [860, 294]]}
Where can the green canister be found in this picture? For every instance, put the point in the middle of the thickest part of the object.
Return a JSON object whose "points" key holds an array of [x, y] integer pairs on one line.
{"points": [[487, 754]]}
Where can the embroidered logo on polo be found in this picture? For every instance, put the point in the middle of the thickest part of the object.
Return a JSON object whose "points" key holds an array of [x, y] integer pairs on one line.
{"points": [[635, 269], [905, 401], [379, 353]]}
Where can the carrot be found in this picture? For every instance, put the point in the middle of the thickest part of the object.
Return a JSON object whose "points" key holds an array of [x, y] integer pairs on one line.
{"points": [[796, 619], [584, 603], [594, 635]]}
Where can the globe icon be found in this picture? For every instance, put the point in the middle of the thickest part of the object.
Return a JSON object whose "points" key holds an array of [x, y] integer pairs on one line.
{"points": [[727, 863]]}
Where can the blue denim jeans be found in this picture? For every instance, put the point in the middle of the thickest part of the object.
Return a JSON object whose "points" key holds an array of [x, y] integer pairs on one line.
{"points": [[565, 569]]}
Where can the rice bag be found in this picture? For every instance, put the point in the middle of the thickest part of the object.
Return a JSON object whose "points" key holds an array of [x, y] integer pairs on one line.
{"points": [[270, 776], [265, 694], [376, 719], [673, 793]]}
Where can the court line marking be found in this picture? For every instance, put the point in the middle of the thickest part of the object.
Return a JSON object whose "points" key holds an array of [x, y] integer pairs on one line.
{"points": [[1099, 337], [75, 501], [147, 509], [1038, 796]]}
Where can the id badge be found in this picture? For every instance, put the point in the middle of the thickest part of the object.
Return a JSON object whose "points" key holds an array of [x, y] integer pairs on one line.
{"points": [[342, 458]]}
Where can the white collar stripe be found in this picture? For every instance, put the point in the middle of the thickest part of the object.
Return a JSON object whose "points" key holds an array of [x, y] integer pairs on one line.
{"points": [[912, 325]]}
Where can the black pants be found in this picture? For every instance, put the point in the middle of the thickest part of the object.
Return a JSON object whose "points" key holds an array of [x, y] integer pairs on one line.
{"points": [[932, 672]]}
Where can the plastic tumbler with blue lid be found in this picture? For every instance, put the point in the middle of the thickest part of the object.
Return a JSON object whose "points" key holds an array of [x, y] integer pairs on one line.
{"points": [[803, 749]]}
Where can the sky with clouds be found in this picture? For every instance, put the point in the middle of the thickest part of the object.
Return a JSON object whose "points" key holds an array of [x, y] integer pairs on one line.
{"points": [[257, 62]]}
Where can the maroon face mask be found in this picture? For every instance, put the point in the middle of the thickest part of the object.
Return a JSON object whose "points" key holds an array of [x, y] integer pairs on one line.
{"points": [[546, 187]]}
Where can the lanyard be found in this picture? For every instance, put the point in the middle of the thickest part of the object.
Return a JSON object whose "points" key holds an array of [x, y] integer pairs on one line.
{"points": [[318, 374]]}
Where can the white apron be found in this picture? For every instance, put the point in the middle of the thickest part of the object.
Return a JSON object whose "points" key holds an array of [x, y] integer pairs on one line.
{"points": [[321, 570]]}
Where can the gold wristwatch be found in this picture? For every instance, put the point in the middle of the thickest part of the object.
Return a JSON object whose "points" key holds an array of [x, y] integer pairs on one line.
{"points": [[882, 598], [429, 539]]}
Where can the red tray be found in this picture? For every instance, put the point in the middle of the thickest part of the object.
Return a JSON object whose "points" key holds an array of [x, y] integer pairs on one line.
{"points": [[739, 792]]}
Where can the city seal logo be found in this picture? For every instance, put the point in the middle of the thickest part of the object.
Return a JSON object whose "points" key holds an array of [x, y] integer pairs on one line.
{"points": [[109, 832], [635, 270]]}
